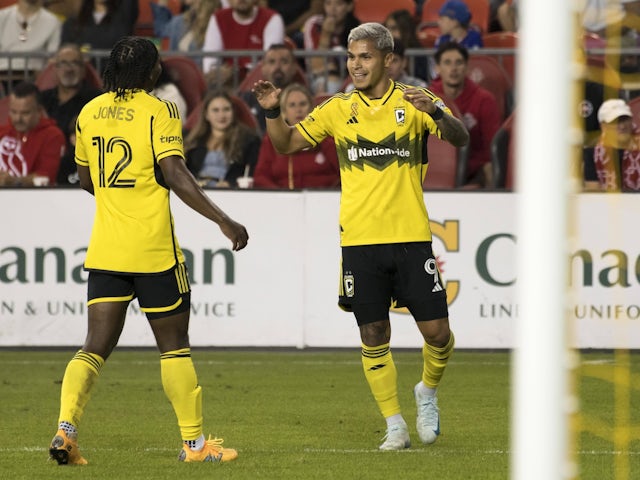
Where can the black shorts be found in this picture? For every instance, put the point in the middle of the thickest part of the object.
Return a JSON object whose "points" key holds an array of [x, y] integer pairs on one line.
{"points": [[159, 295], [375, 277]]}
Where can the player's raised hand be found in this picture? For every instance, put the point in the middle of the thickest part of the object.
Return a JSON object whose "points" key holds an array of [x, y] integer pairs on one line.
{"points": [[419, 99], [267, 94]]}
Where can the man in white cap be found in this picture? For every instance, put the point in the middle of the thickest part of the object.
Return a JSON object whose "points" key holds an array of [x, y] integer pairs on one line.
{"points": [[614, 163]]}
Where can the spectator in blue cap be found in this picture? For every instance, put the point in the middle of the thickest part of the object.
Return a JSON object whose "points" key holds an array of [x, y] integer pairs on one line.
{"points": [[454, 23]]}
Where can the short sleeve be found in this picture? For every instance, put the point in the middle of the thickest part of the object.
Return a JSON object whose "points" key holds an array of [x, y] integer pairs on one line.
{"points": [[316, 126], [167, 132], [80, 151]]}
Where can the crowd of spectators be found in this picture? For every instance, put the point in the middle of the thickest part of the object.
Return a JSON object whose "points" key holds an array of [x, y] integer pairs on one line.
{"points": [[301, 42]]}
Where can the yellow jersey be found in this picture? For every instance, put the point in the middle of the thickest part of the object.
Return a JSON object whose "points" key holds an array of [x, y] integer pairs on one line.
{"points": [[122, 142], [381, 145]]}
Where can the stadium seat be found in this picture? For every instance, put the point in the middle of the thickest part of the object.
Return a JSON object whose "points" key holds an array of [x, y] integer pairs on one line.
{"points": [[503, 40], [47, 77], [144, 24], [241, 109], [489, 74], [430, 11], [188, 77], [427, 35], [503, 154], [255, 74], [450, 102], [447, 165], [378, 10], [479, 13]]}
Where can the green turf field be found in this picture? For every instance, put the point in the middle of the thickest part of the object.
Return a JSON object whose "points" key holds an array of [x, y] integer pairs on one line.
{"points": [[290, 414]]}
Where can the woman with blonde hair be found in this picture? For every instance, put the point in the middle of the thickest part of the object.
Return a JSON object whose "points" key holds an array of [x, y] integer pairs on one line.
{"points": [[186, 30], [221, 148], [312, 168]]}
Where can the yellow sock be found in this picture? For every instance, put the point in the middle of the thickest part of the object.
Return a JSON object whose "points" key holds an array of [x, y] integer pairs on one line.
{"points": [[382, 376], [180, 384], [77, 383], [435, 361]]}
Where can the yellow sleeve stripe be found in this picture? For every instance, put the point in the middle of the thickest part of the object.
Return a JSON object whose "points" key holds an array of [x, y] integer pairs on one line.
{"points": [[167, 153], [82, 161]]}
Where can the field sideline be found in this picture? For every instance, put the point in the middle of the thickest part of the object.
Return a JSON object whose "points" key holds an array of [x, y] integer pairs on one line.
{"points": [[291, 414]]}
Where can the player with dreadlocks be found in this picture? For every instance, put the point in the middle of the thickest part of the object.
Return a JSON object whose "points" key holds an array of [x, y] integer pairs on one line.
{"points": [[129, 155]]}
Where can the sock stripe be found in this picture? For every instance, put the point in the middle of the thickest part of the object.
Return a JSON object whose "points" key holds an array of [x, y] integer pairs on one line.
{"points": [[94, 361], [442, 353], [182, 353], [375, 352]]}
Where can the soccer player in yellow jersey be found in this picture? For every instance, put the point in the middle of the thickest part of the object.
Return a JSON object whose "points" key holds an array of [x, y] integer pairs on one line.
{"points": [[129, 155], [380, 132]]}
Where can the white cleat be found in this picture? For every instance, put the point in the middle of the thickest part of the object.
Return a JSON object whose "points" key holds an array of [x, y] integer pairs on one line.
{"points": [[397, 438], [428, 419]]}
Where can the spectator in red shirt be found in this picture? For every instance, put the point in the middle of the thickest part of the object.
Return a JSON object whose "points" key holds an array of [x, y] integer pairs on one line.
{"points": [[478, 107], [312, 168], [242, 26], [613, 164], [31, 144]]}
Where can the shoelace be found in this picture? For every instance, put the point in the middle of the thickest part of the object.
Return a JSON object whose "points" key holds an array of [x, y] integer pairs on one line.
{"points": [[429, 411], [393, 428], [215, 442]]}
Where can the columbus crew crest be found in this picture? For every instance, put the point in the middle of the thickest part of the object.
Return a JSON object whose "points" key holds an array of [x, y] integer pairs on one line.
{"points": [[349, 287]]}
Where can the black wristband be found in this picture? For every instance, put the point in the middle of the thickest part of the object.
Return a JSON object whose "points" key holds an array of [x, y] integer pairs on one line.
{"points": [[272, 113], [438, 114]]}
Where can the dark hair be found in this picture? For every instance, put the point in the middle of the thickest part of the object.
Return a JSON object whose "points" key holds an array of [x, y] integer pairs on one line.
{"points": [[85, 15], [407, 25], [447, 46], [235, 136], [280, 46], [130, 65], [165, 77], [27, 89], [398, 48]]}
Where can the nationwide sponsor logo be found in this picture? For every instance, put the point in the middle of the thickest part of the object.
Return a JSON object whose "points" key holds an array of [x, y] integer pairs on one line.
{"points": [[379, 154], [356, 153]]}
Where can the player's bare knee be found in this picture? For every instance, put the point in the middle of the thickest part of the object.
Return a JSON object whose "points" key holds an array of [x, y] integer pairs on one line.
{"points": [[375, 333]]}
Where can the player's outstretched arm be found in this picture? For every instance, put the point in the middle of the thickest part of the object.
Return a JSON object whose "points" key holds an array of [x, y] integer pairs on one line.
{"points": [[180, 180], [452, 129], [286, 139]]}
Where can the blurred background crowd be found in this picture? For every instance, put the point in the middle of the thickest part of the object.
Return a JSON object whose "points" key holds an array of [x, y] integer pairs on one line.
{"points": [[52, 53]]}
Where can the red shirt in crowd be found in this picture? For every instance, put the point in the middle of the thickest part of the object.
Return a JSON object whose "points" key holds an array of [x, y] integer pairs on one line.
{"points": [[480, 115], [226, 33], [37, 151], [312, 168]]}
